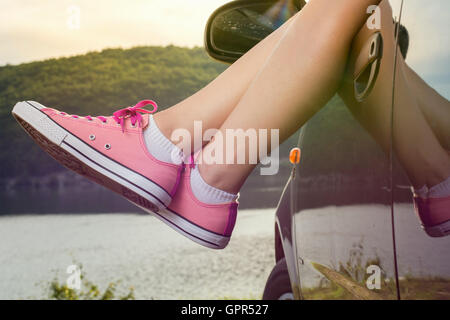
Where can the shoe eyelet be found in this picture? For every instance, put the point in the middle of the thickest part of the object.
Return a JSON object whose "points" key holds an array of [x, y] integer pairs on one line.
{"points": [[107, 146], [92, 137]]}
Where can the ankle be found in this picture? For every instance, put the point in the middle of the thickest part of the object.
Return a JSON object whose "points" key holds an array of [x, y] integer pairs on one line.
{"points": [[207, 193], [164, 123], [438, 173], [218, 176], [159, 146], [430, 167], [168, 122]]}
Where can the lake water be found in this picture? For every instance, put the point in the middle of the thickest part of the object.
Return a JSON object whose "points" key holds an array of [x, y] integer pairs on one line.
{"points": [[138, 250]]}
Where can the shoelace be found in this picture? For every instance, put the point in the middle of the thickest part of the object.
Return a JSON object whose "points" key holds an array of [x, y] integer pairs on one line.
{"points": [[134, 113]]}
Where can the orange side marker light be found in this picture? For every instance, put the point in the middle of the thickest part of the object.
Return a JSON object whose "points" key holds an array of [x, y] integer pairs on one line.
{"points": [[294, 155]]}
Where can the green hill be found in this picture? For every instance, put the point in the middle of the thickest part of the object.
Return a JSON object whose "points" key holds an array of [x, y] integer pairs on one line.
{"points": [[336, 148], [96, 83], [99, 83]]}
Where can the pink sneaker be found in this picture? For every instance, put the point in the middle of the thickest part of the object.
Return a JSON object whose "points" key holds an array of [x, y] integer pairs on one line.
{"points": [[108, 150], [434, 213], [210, 225]]}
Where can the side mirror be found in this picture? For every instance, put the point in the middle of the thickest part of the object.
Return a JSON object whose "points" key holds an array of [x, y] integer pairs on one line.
{"points": [[236, 27]]}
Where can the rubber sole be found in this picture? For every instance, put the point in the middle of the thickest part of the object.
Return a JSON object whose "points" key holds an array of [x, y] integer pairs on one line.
{"points": [[441, 230], [79, 157], [192, 231]]}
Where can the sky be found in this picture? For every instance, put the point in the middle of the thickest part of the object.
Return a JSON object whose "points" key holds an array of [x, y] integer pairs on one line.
{"points": [[39, 29], [33, 30], [429, 50]]}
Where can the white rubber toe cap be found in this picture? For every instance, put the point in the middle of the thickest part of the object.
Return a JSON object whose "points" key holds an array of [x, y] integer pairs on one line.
{"points": [[37, 104]]}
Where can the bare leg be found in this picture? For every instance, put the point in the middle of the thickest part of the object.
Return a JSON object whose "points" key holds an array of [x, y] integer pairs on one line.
{"points": [[300, 76], [418, 149], [434, 107], [416, 146], [213, 103]]}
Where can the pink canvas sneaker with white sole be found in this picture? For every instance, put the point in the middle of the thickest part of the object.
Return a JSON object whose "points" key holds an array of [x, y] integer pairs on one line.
{"points": [[434, 214], [108, 150], [210, 225]]}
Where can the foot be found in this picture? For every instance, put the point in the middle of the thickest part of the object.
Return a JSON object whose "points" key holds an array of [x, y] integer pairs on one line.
{"points": [[434, 214], [210, 225], [108, 150]]}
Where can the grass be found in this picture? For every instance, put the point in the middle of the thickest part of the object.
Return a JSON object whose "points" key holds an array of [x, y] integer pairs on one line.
{"points": [[88, 291]]}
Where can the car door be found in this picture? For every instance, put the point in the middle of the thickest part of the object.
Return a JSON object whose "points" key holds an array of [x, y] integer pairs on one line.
{"points": [[342, 211], [423, 261]]}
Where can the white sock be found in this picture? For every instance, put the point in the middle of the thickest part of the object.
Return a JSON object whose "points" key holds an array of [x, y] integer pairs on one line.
{"points": [[440, 190], [159, 146], [422, 192], [206, 193]]}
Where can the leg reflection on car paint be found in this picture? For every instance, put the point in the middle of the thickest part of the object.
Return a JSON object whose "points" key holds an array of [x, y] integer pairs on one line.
{"points": [[343, 214]]}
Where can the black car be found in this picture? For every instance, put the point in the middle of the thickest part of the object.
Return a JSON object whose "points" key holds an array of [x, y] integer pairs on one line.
{"points": [[345, 225]]}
